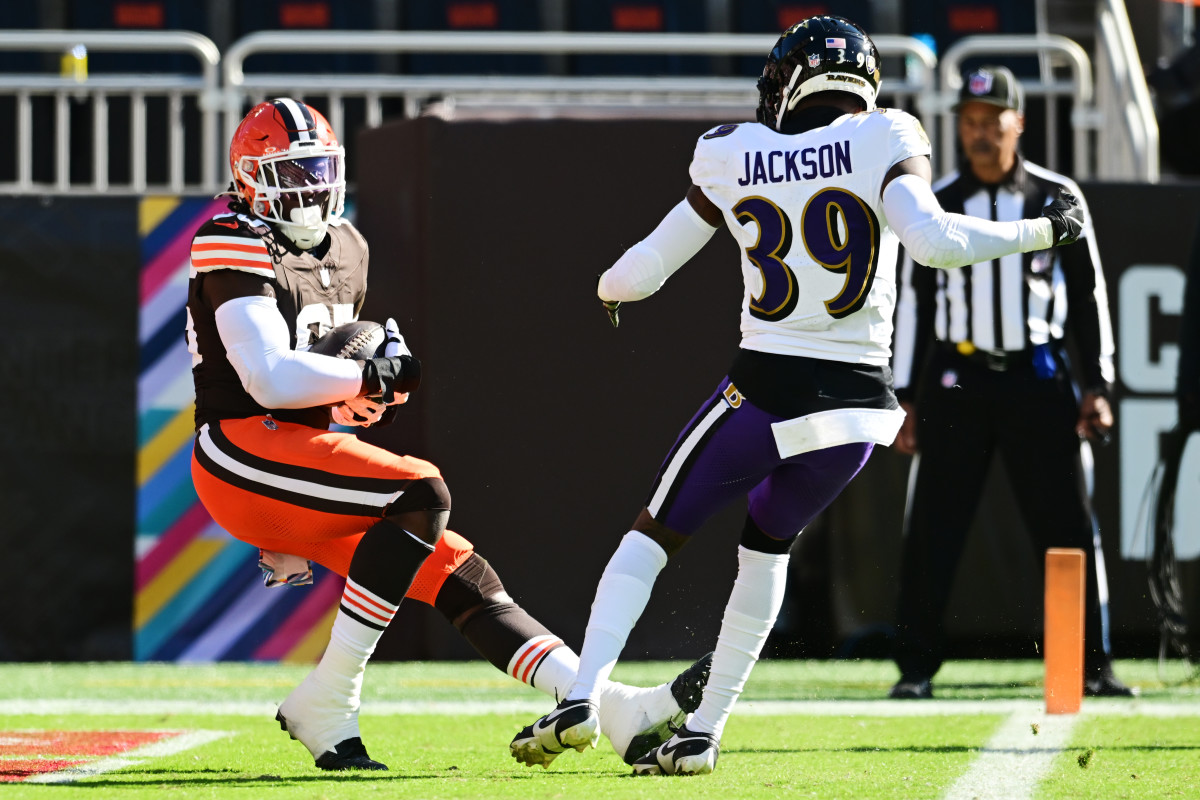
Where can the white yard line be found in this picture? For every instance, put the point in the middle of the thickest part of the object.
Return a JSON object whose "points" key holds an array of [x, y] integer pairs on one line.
{"points": [[537, 704], [934, 708], [1014, 761], [163, 747]]}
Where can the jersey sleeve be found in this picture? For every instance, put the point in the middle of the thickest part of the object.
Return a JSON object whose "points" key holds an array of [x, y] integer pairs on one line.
{"points": [[708, 161], [907, 138], [227, 242]]}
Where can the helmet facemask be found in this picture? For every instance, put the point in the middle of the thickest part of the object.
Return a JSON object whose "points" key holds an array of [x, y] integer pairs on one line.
{"points": [[298, 192]]}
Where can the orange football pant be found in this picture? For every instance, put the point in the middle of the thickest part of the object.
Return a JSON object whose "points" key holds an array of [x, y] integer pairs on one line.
{"points": [[309, 492]]}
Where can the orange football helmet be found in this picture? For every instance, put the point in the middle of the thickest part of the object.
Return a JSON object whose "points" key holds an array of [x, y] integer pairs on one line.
{"points": [[289, 168]]}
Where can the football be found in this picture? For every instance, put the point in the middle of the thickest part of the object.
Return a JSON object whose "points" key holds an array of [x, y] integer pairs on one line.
{"points": [[356, 340]]}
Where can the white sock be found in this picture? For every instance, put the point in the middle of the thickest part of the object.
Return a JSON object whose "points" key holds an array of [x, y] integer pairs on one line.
{"points": [[621, 598], [352, 641], [549, 666], [323, 710], [546, 664], [749, 616]]}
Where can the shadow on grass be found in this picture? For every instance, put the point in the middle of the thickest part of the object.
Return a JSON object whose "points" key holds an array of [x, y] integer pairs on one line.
{"points": [[948, 748], [952, 748], [231, 777]]}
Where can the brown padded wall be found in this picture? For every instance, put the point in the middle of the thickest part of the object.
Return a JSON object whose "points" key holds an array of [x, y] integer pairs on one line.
{"points": [[548, 424], [68, 437]]}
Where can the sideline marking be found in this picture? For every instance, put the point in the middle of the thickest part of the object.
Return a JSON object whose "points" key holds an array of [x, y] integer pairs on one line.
{"points": [[163, 747], [77, 743], [1014, 761]]}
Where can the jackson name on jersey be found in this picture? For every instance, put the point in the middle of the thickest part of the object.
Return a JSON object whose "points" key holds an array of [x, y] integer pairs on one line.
{"points": [[818, 257], [315, 289]]}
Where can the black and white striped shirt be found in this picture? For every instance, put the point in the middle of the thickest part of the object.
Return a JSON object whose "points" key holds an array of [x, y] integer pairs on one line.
{"points": [[1012, 303]]}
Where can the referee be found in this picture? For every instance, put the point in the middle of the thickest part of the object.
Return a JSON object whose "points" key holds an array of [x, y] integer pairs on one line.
{"points": [[981, 368]]}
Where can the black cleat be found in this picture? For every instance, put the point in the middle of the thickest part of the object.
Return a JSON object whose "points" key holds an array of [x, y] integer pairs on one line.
{"points": [[1106, 685], [914, 689], [348, 754], [688, 687]]}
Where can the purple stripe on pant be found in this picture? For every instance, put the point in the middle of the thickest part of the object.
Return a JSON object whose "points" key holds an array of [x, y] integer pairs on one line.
{"points": [[726, 452]]}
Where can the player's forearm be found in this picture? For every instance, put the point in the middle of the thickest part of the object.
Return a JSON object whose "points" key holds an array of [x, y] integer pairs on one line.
{"points": [[645, 267], [937, 238], [257, 341]]}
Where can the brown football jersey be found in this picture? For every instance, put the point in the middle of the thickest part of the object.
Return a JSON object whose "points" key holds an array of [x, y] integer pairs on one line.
{"points": [[315, 290]]}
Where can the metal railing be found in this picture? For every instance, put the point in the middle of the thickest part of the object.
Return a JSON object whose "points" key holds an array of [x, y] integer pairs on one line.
{"points": [[1079, 88], [225, 88], [543, 91], [97, 91], [1128, 145]]}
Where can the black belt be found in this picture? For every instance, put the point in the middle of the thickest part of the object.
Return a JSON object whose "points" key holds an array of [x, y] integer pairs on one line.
{"points": [[1001, 361]]}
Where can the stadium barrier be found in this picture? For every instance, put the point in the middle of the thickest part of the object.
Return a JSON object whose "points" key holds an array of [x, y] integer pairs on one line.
{"points": [[128, 131]]}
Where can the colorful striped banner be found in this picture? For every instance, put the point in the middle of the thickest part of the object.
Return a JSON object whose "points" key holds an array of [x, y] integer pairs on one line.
{"points": [[199, 593]]}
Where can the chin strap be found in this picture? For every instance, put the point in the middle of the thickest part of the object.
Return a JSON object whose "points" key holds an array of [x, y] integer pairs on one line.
{"points": [[304, 242]]}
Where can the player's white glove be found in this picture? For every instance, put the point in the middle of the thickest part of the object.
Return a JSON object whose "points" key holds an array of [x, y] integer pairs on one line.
{"points": [[394, 345], [396, 369], [360, 411]]}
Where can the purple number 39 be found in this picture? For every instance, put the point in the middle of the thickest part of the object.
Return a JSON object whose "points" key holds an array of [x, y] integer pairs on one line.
{"points": [[840, 233]]}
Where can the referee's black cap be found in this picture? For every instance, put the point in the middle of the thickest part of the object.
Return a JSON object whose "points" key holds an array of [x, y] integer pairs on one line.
{"points": [[992, 84]]}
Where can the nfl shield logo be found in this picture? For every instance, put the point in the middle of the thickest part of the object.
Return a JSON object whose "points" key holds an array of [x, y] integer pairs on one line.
{"points": [[981, 83], [814, 60]]}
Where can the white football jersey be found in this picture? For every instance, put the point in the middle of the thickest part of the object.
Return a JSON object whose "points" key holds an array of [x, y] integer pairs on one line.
{"points": [[818, 257]]}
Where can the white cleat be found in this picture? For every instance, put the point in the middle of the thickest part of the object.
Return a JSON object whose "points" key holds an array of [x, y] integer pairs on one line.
{"points": [[637, 720], [326, 725], [572, 724], [686, 753]]}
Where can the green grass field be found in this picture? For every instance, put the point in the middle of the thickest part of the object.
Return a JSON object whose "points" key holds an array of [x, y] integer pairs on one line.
{"points": [[803, 729]]}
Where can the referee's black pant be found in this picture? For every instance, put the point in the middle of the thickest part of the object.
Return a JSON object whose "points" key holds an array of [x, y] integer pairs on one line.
{"points": [[966, 412]]}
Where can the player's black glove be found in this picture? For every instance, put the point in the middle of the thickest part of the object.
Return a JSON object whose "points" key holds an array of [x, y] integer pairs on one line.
{"points": [[1066, 217], [612, 308], [386, 377]]}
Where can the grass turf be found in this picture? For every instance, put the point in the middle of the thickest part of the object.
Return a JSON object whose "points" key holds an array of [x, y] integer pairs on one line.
{"points": [[442, 754]]}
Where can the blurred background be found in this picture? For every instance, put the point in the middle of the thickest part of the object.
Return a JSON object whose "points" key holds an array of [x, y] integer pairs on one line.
{"points": [[501, 154]]}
